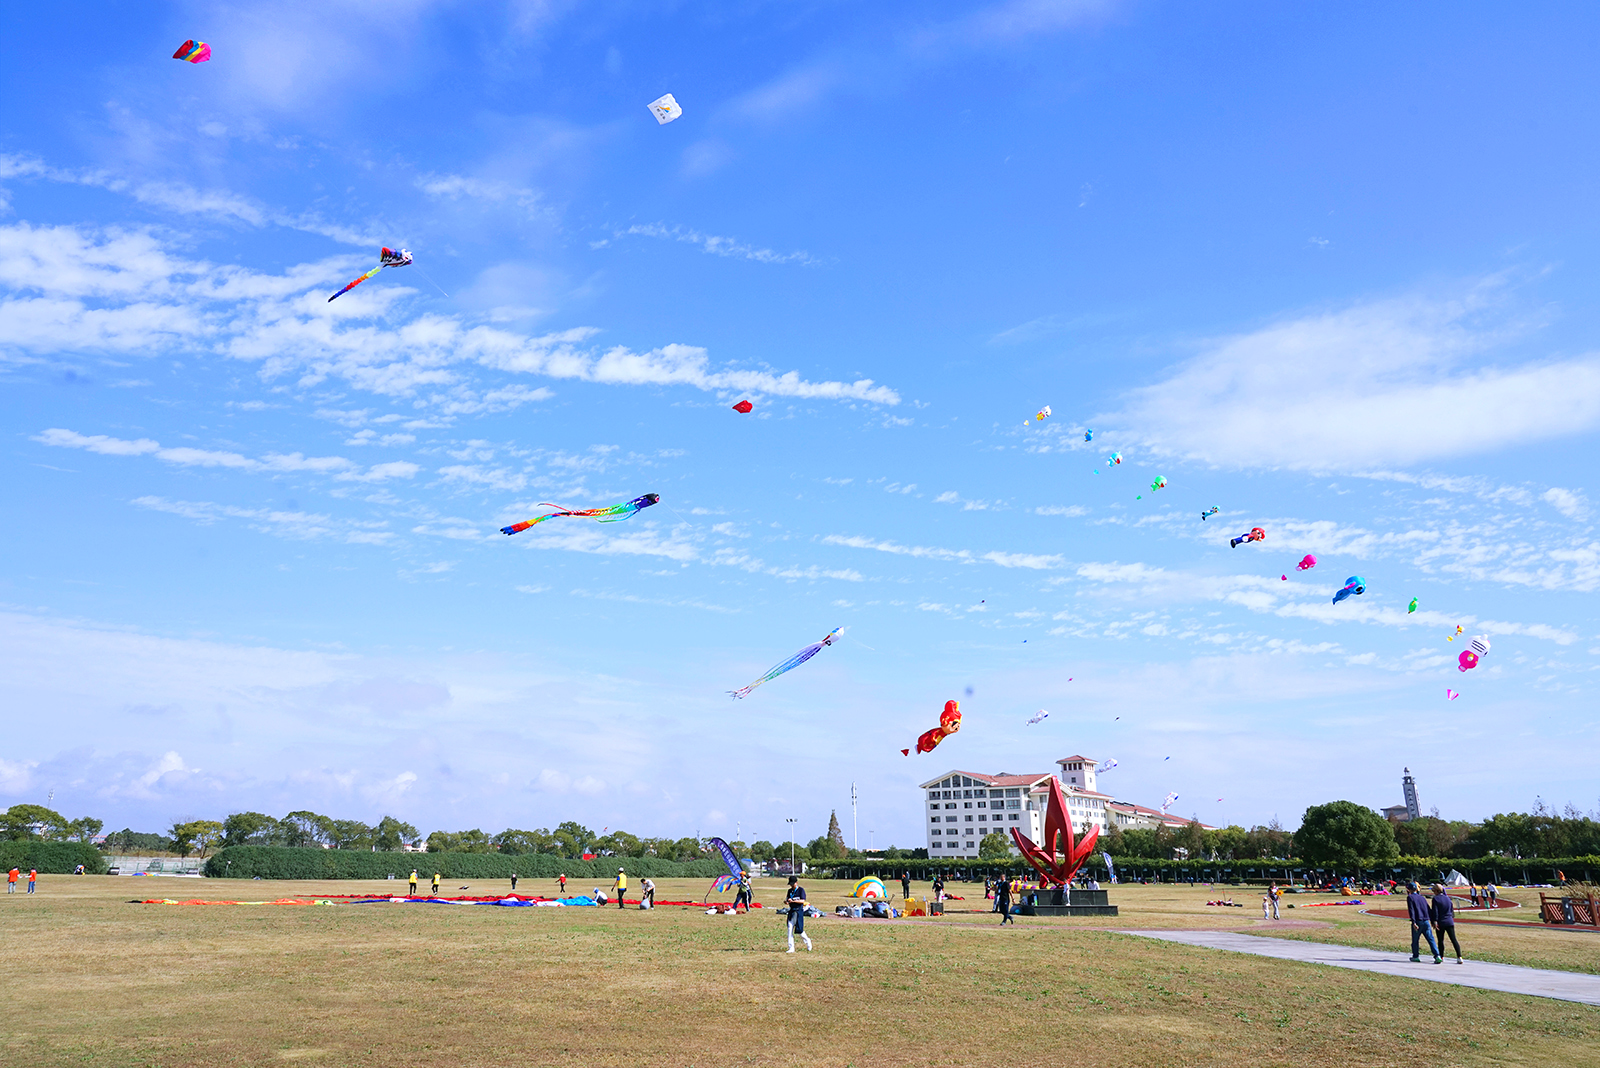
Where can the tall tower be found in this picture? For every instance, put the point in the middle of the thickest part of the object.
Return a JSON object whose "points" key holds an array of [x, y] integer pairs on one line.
{"points": [[1409, 785], [1077, 772]]}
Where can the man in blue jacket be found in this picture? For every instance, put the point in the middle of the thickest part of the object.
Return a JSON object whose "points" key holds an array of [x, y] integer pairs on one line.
{"points": [[1444, 918], [1421, 915]]}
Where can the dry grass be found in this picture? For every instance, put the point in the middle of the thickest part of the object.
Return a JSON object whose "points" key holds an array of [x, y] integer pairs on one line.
{"points": [[98, 981]]}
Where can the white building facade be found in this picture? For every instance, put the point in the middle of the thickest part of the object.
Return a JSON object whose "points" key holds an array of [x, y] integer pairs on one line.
{"points": [[960, 807]]}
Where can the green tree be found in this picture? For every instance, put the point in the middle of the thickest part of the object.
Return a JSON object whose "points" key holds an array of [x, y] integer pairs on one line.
{"points": [[824, 848], [33, 821], [349, 834], [1430, 837], [622, 844], [303, 829], [251, 828], [1343, 834], [1191, 839], [573, 839], [201, 835], [391, 834], [739, 849], [84, 829], [762, 850], [522, 842], [836, 833], [688, 849], [994, 846]]}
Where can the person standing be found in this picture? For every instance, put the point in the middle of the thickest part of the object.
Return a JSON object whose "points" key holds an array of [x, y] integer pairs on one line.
{"points": [[11, 880], [435, 884], [743, 893], [1274, 893], [413, 883], [647, 900], [563, 881], [796, 900], [1444, 919], [938, 887], [905, 885], [1474, 889], [33, 877], [1002, 901], [513, 882], [1421, 916], [620, 885], [1494, 896]]}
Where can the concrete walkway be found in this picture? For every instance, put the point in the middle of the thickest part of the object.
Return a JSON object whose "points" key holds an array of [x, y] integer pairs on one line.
{"points": [[1510, 978]]}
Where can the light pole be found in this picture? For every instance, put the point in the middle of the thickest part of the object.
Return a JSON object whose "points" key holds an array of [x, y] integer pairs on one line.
{"points": [[790, 821], [855, 833]]}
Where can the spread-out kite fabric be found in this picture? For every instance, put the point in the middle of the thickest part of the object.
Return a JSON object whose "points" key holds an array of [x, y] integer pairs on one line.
{"points": [[388, 257], [1039, 717], [1306, 563], [1209, 512], [193, 52], [665, 109], [788, 665], [615, 514], [869, 888], [1355, 584], [744, 407], [949, 723], [1255, 534]]}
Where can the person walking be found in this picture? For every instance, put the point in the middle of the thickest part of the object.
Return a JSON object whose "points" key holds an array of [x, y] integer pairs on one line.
{"points": [[796, 900], [647, 900], [1474, 889], [563, 881], [905, 886], [1421, 915], [743, 893], [1444, 919], [620, 885], [1274, 892], [1494, 896], [513, 882], [435, 884], [11, 880], [413, 883], [33, 877], [1002, 901]]}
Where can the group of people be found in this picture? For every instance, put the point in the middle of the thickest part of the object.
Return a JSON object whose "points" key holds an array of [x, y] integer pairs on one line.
{"points": [[1429, 918], [15, 874]]}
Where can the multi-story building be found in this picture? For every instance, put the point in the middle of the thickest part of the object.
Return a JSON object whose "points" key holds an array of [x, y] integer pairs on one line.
{"points": [[963, 806]]}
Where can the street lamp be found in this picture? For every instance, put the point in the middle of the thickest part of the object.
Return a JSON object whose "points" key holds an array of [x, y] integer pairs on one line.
{"points": [[790, 821]]}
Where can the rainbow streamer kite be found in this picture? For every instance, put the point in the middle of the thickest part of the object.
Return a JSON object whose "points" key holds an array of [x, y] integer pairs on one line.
{"points": [[790, 664], [391, 258], [615, 514], [193, 52]]}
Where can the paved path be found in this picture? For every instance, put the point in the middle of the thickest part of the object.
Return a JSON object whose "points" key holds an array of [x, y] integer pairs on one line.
{"points": [[1537, 982]]}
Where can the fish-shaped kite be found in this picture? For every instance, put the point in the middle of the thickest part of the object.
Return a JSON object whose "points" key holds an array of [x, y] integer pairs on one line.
{"points": [[1039, 717], [615, 514], [390, 258], [1354, 584], [744, 407], [949, 723], [193, 52], [790, 664], [1168, 802], [1108, 764]]}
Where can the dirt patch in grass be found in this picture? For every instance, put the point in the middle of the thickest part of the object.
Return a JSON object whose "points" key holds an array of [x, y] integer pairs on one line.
{"points": [[100, 981]]}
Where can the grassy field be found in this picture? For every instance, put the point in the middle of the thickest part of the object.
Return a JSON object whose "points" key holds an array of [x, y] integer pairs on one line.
{"points": [[94, 980]]}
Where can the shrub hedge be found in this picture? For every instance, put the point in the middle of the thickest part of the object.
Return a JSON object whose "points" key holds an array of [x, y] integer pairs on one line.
{"points": [[54, 858], [283, 862]]}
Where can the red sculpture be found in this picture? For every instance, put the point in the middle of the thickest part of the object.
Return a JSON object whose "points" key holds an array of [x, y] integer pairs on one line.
{"points": [[1056, 872]]}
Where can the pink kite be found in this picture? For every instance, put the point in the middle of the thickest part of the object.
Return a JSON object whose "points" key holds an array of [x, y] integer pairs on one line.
{"points": [[193, 51], [1307, 563]]}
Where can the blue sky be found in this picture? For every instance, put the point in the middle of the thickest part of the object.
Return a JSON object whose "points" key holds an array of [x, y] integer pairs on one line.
{"points": [[1331, 272]]}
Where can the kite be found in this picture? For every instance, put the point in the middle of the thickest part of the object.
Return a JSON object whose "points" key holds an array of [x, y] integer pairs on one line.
{"points": [[389, 257], [1353, 584], [1039, 718], [1412, 607], [1449, 694], [1159, 483], [949, 723], [1088, 433], [1209, 512], [788, 665], [1114, 459], [1469, 657], [1256, 534], [870, 887], [1306, 563], [1043, 414], [743, 407], [1168, 802], [665, 109], [193, 51], [615, 514], [1107, 765], [1452, 637]]}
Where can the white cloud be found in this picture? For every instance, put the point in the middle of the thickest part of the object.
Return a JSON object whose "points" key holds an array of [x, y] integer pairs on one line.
{"points": [[302, 526], [1062, 510], [717, 246], [1570, 504], [184, 456], [922, 551], [1392, 381], [1029, 560]]}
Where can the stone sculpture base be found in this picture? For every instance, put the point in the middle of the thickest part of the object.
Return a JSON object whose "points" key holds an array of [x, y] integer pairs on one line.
{"points": [[1069, 903]]}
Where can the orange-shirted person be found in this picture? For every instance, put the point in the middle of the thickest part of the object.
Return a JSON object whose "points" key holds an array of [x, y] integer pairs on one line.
{"points": [[33, 877], [11, 881]]}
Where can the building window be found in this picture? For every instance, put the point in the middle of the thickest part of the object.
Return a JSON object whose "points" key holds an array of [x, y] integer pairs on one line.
{"points": [[1012, 793], [1013, 804], [982, 818], [935, 819], [952, 804], [936, 832], [966, 804], [969, 819], [1015, 815], [979, 793], [972, 845], [982, 804], [934, 807]]}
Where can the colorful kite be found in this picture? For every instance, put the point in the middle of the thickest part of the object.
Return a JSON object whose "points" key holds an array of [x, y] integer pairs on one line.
{"points": [[1452, 637], [1469, 657], [869, 888], [193, 51], [788, 665], [744, 407], [1114, 459], [1159, 483], [1088, 433], [665, 109], [1449, 694], [949, 723], [1412, 607], [1043, 414], [1107, 765], [1306, 563], [1039, 717], [1256, 534], [1168, 802], [390, 258], [1209, 512], [615, 514], [1354, 584]]}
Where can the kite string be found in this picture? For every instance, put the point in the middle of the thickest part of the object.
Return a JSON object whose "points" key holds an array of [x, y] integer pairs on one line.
{"points": [[431, 282]]}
